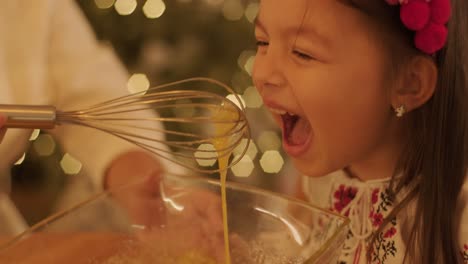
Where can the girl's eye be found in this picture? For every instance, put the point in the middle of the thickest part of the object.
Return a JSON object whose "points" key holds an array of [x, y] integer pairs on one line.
{"points": [[260, 43], [302, 55]]}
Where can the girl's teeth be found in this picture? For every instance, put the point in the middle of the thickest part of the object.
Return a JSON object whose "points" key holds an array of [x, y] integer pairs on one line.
{"points": [[278, 111], [281, 112]]}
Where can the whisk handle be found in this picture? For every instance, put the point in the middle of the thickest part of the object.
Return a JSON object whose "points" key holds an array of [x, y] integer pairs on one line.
{"points": [[29, 116]]}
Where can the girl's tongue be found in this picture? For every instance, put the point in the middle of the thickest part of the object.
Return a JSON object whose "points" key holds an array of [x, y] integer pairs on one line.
{"points": [[296, 130]]}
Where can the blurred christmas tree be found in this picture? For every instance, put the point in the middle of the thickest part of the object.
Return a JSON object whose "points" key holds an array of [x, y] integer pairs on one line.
{"points": [[188, 38]]}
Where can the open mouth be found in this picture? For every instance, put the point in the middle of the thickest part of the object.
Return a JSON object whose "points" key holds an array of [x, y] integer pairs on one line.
{"points": [[296, 129]]}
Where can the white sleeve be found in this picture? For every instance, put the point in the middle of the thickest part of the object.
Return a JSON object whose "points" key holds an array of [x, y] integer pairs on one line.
{"points": [[83, 72]]}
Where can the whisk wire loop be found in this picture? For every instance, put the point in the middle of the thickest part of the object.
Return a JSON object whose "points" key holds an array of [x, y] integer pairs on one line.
{"points": [[189, 104]]}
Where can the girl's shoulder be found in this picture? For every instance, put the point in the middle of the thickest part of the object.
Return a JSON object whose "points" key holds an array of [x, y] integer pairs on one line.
{"points": [[339, 189]]}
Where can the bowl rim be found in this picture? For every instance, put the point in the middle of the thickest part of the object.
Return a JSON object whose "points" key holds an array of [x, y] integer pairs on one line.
{"points": [[196, 179], [253, 189], [264, 192]]}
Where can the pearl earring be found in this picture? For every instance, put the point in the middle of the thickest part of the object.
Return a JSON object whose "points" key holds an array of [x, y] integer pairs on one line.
{"points": [[400, 111]]}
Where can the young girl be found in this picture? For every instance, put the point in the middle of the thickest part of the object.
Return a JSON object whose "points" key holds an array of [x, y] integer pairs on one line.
{"points": [[372, 94]]}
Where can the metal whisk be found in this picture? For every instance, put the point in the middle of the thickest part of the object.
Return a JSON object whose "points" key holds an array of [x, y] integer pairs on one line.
{"points": [[196, 104]]}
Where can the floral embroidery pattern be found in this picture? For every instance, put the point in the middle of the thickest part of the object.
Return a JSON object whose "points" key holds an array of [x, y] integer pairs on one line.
{"points": [[390, 233], [375, 196], [384, 244], [377, 219], [344, 195]]}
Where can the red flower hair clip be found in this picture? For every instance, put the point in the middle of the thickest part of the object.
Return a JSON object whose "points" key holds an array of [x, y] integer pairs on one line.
{"points": [[428, 18]]}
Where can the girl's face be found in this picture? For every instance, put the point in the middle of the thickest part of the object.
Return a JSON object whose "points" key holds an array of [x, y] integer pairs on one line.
{"points": [[322, 75]]}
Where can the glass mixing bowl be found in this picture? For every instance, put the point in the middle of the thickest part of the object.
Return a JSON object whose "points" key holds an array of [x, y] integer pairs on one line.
{"points": [[180, 222]]}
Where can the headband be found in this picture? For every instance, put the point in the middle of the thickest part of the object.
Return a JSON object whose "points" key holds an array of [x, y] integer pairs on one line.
{"points": [[428, 18]]}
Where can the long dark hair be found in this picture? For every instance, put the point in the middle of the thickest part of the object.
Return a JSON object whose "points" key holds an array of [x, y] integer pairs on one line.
{"points": [[435, 157]]}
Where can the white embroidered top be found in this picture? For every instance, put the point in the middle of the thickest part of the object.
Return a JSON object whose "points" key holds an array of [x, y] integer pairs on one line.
{"points": [[367, 204]]}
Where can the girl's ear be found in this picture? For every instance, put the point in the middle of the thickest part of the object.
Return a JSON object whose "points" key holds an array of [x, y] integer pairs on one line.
{"points": [[416, 85]]}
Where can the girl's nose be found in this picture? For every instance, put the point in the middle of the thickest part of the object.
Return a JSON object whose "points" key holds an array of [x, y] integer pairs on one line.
{"points": [[268, 71]]}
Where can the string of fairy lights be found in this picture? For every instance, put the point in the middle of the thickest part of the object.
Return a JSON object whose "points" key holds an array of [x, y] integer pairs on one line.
{"points": [[231, 9]]}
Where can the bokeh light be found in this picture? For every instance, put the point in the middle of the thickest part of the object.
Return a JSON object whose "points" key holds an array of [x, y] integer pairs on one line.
{"points": [[206, 155], [252, 97], [44, 145], [244, 167], [248, 67], [251, 12], [104, 4], [271, 161], [251, 150], [269, 140], [154, 8], [125, 7], [243, 57], [70, 165], [138, 82], [233, 10]]}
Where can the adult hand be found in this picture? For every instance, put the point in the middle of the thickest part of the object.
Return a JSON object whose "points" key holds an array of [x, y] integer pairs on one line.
{"points": [[185, 219], [178, 225], [139, 174]]}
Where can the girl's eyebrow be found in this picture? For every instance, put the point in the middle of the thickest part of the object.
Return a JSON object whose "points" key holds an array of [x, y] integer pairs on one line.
{"points": [[302, 30]]}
